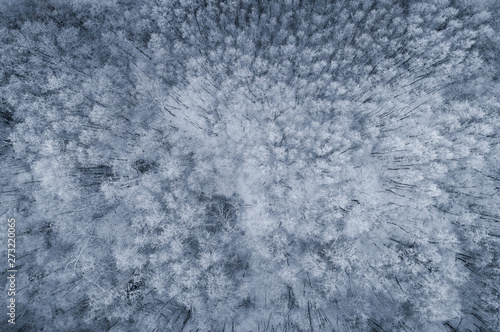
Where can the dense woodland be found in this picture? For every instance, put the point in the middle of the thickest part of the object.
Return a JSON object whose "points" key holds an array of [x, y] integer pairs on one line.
{"points": [[295, 165]]}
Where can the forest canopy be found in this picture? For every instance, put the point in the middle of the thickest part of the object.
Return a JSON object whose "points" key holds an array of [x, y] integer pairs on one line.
{"points": [[185, 165]]}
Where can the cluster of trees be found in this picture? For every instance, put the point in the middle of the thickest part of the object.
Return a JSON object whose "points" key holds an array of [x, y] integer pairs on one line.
{"points": [[252, 165]]}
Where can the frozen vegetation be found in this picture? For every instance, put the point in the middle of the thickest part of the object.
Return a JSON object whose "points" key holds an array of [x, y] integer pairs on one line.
{"points": [[178, 165]]}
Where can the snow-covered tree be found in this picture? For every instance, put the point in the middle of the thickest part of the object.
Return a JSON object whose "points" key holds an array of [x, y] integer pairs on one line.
{"points": [[252, 165]]}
